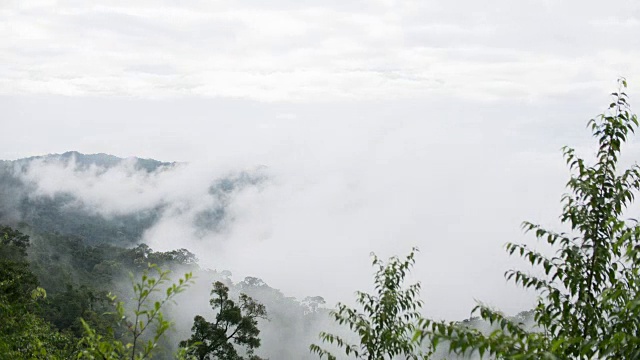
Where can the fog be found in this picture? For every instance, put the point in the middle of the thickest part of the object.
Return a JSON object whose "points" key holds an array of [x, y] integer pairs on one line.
{"points": [[331, 190], [356, 127]]}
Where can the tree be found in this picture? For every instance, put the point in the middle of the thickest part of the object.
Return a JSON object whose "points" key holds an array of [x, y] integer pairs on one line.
{"points": [[146, 315], [235, 324], [389, 320], [589, 295], [23, 333], [13, 244], [312, 303]]}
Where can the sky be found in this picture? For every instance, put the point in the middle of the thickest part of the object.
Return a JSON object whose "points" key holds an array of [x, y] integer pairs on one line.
{"points": [[382, 124]]}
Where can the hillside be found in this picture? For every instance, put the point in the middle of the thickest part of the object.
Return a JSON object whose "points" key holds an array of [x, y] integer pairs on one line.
{"points": [[62, 211], [78, 252]]}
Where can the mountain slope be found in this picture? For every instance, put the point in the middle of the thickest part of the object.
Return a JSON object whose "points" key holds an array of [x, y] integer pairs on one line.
{"points": [[56, 193]]}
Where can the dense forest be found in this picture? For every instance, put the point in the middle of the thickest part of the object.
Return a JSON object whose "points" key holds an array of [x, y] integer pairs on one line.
{"points": [[56, 280], [76, 284], [80, 258]]}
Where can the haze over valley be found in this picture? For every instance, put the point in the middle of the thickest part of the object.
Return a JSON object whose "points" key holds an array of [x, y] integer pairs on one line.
{"points": [[274, 146]]}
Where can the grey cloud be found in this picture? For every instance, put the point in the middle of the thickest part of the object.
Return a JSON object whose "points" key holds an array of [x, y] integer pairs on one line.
{"points": [[310, 51]]}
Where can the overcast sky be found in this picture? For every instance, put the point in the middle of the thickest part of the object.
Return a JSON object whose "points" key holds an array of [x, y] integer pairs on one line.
{"points": [[384, 124]]}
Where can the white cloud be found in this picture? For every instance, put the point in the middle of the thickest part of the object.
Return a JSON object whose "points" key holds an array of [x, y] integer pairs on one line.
{"points": [[384, 124], [344, 180], [290, 51]]}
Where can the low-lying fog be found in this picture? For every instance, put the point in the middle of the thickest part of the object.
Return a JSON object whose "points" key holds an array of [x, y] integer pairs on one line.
{"points": [[318, 193]]}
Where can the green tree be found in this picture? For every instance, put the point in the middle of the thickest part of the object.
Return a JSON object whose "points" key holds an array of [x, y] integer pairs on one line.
{"points": [[13, 244], [236, 323], [389, 320], [589, 295], [23, 333], [146, 315]]}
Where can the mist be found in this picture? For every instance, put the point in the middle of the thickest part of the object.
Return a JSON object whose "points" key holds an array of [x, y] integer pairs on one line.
{"points": [[326, 191], [295, 138]]}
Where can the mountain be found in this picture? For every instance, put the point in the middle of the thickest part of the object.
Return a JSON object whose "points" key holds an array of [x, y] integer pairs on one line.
{"points": [[83, 247], [63, 209], [102, 160]]}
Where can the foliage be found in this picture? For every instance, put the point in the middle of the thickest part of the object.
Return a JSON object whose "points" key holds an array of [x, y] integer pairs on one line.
{"points": [[235, 323], [13, 244], [291, 321], [312, 304], [23, 333], [65, 309], [78, 277], [146, 315], [589, 296], [66, 213], [389, 320]]}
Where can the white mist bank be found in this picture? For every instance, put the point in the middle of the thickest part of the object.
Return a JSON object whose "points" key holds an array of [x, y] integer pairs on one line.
{"points": [[337, 182], [308, 226]]}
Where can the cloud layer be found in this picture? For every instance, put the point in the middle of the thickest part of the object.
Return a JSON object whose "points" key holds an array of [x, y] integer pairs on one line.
{"points": [[383, 125], [334, 193], [316, 50]]}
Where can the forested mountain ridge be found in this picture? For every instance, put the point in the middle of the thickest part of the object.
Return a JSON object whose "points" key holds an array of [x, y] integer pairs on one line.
{"points": [[78, 253], [87, 160], [62, 210], [56, 213], [77, 278]]}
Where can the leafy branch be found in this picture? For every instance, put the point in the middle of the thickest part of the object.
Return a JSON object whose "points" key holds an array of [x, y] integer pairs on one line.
{"points": [[146, 313]]}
